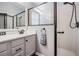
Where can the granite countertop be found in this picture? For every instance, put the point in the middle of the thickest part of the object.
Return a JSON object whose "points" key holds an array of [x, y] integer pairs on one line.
{"points": [[15, 36]]}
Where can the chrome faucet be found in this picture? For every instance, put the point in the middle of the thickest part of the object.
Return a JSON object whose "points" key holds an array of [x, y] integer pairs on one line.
{"points": [[21, 31]]}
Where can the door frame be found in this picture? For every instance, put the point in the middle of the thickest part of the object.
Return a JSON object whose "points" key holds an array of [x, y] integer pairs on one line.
{"points": [[55, 28]]}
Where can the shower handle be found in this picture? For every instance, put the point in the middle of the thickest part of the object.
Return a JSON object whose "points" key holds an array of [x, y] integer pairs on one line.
{"points": [[60, 32]]}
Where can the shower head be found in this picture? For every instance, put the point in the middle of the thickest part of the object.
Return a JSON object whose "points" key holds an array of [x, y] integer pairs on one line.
{"points": [[69, 3]]}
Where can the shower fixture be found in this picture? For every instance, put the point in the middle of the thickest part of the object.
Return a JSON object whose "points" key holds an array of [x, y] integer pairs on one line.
{"points": [[73, 11], [69, 3]]}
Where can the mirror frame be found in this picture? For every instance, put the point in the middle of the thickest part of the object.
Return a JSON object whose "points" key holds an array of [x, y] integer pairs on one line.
{"points": [[37, 24]]}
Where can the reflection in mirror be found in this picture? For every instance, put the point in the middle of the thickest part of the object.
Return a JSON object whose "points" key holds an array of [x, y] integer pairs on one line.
{"points": [[10, 22], [41, 15], [6, 21], [20, 19], [8, 10], [34, 17], [2, 20]]}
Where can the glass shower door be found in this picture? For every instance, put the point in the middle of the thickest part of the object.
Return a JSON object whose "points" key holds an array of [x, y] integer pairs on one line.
{"points": [[66, 38]]}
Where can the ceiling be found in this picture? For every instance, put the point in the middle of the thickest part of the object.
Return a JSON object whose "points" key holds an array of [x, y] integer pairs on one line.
{"points": [[27, 5], [23, 5]]}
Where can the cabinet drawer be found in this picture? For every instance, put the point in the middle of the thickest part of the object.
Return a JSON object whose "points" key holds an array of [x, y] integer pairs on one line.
{"points": [[17, 49], [4, 53], [17, 42], [3, 47]]}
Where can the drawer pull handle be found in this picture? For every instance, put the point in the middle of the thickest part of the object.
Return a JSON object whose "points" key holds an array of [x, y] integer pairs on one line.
{"points": [[26, 40], [18, 49], [2, 51]]}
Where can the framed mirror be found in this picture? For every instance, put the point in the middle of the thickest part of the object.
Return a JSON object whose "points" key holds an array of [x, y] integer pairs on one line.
{"points": [[41, 15]]}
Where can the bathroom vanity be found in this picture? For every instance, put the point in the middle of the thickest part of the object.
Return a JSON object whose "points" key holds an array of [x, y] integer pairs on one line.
{"points": [[18, 44]]}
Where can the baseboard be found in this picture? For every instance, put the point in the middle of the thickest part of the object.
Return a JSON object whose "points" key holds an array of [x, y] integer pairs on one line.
{"points": [[39, 54]]}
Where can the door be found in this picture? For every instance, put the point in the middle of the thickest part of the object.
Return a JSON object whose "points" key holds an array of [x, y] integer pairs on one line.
{"points": [[65, 36], [30, 45]]}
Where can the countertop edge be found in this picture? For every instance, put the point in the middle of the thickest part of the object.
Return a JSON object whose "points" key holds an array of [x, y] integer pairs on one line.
{"points": [[15, 38]]}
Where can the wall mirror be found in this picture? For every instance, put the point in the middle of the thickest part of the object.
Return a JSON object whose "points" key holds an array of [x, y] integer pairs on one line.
{"points": [[41, 15], [11, 15]]}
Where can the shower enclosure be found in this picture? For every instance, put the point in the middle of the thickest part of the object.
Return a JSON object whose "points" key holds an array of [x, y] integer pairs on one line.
{"points": [[67, 37]]}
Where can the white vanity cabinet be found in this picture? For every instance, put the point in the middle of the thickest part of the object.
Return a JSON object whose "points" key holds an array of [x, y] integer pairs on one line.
{"points": [[19, 47], [30, 45]]}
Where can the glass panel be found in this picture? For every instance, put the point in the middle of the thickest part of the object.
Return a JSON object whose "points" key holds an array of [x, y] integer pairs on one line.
{"points": [[67, 38]]}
